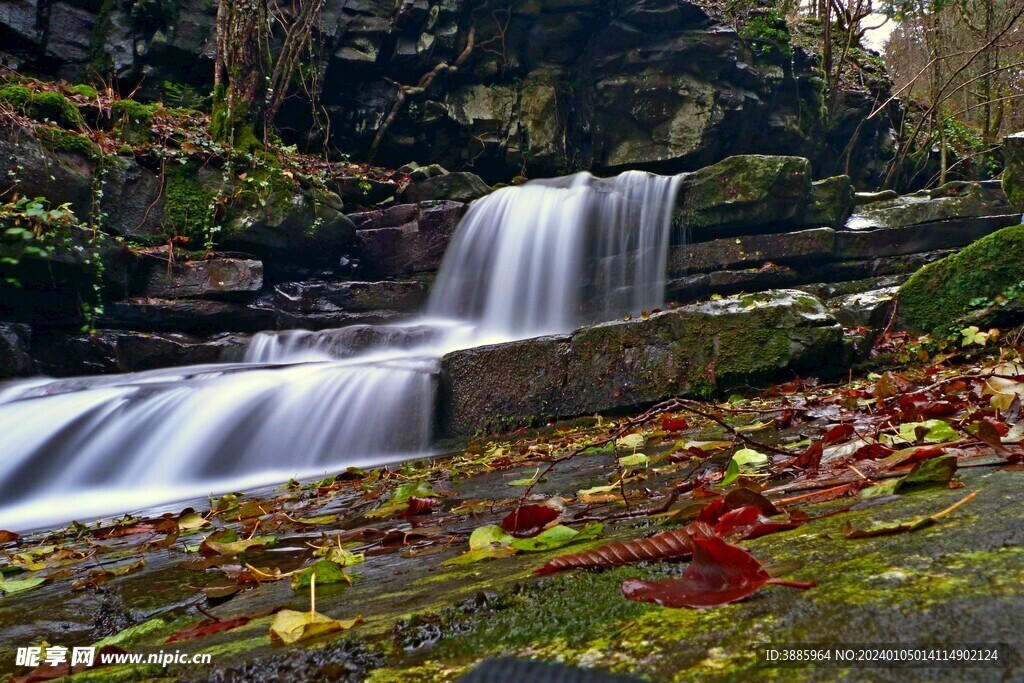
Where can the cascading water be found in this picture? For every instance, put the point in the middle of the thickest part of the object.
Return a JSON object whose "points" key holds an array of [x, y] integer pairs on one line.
{"points": [[537, 259]]}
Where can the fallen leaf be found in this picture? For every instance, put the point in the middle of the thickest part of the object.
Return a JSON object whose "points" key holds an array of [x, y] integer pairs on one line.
{"points": [[206, 628], [11, 587], [719, 573], [667, 545], [325, 572], [528, 520], [290, 626], [557, 537]]}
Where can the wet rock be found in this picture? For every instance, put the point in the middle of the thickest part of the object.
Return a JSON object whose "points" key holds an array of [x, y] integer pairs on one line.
{"points": [[458, 187], [215, 278], [62, 176], [863, 309], [133, 200], [14, 350], [365, 191], [951, 201], [195, 316], [939, 295], [911, 239], [831, 202], [1013, 175], [318, 296], [744, 194], [294, 228], [107, 351], [406, 239], [740, 251], [697, 350]]}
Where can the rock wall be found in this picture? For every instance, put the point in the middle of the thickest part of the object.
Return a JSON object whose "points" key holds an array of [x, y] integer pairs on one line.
{"points": [[548, 86]]}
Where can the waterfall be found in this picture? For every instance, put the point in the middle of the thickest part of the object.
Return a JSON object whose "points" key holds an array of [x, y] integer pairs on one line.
{"points": [[525, 261]]}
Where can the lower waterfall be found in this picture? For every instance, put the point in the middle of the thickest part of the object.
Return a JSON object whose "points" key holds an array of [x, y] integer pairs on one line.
{"points": [[541, 258]]}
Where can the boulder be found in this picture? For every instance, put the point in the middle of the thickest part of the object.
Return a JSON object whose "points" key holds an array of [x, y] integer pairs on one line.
{"points": [[912, 239], [942, 293], [868, 309], [108, 351], [744, 195], [731, 252], [195, 316], [457, 187], [214, 278], [319, 296], [950, 201], [293, 227], [831, 202], [406, 239], [698, 351], [14, 350], [1013, 174]]}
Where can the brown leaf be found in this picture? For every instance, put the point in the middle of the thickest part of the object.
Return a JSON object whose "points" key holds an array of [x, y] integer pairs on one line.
{"points": [[205, 628], [719, 573], [667, 545], [528, 520]]}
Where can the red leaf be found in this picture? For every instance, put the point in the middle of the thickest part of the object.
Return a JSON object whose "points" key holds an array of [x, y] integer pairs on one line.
{"points": [[529, 520], [667, 545], [811, 458], [748, 522], [872, 451], [674, 423], [939, 409], [419, 506], [914, 455], [206, 628], [838, 433], [719, 573]]}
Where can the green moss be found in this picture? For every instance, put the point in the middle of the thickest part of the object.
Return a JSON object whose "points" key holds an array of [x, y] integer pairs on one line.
{"points": [[132, 120], [768, 34], [86, 91], [940, 293], [131, 109], [52, 106], [187, 210], [15, 96], [60, 140], [232, 127]]}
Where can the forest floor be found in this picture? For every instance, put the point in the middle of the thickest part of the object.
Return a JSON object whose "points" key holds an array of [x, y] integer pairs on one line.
{"points": [[884, 509]]}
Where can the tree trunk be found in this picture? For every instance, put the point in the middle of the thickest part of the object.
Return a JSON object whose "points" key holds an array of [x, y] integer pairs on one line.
{"points": [[241, 71]]}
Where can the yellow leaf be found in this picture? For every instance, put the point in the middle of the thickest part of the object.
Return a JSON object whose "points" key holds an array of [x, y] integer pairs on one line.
{"points": [[290, 626]]}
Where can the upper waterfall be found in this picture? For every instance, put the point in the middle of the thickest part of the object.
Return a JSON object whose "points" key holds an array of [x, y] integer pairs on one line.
{"points": [[525, 261]]}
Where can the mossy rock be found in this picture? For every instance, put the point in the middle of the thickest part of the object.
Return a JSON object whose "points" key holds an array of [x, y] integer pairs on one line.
{"points": [[86, 91], [59, 140], [831, 201], [742, 192], [52, 106], [1013, 175], [15, 96], [190, 194], [132, 120], [941, 293]]}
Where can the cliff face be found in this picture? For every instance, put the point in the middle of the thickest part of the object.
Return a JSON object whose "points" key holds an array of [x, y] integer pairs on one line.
{"points": [[545, 87]]}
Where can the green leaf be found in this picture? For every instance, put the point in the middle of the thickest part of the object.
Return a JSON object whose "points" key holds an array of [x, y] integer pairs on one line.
{"points": [[935, 431], [558, 536], [485, 543], [635, 460], [326, 572], [633, 441], [290, 626], [749, 460], [732, 473], [20, 585], [933, 472], [226, 542]]}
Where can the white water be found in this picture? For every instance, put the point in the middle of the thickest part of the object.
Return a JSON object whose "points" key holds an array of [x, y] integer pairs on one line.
{"points": [[538, 259]]}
